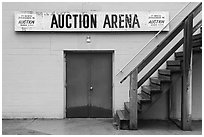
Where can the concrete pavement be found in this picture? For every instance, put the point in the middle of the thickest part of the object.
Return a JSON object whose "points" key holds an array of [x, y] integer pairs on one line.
{"points": [[80, 126]]}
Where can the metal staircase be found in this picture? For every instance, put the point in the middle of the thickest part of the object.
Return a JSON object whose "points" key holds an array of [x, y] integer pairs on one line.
{"points": [[181, 66]]}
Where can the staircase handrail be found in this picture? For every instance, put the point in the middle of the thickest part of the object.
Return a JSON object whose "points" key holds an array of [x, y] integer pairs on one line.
{"points": [[164, 43], [153, 38]]}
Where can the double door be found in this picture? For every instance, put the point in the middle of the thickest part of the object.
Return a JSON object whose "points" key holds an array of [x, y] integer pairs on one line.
{"points": [[89, 85]]}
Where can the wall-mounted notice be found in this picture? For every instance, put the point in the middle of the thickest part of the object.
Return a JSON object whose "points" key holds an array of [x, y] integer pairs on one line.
{"points": [[26, 20], [91, 21]]}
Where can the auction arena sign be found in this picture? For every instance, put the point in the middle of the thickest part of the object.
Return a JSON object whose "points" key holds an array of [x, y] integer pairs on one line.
{"points": [[91, 21]]}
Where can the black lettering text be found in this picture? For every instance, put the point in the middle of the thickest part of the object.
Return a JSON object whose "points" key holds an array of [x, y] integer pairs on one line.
{"points": [[61, 20], [106, 22], [114, 21], [54, 21], [93, 21], [135, 21]]}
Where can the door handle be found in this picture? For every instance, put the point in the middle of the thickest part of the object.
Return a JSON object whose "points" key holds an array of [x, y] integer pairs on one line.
{"points": [[91, 88]]}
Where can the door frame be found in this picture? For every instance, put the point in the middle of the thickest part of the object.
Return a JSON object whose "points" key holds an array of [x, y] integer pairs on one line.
{"points": [[67, 51]]}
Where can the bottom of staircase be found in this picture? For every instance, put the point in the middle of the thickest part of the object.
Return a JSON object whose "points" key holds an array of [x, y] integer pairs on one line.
{"points": [[122, 118]]}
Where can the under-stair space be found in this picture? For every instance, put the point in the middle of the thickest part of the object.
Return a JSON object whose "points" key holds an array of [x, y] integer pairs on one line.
{"points": [[163, 83]]}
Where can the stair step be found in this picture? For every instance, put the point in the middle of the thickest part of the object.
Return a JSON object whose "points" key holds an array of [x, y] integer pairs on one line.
{"points": [[174, 68], [197, 49], [145, 95], [197, 43], [122, 115], [179, 58], [164, 71], [150, 89], [178, 54], [127, 106], [197, 40], [143, 99], [197, 36], [155, 80], [173, 63], [168, 78], [158, 81], [122, 119], [155, 85]]}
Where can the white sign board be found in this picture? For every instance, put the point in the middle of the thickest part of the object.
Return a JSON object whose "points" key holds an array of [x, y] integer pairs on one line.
{"points": [[91, 21]]}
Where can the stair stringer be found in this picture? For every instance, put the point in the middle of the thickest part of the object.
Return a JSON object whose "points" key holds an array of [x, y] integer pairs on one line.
{"points": [[156, 97], [175, 96], [166, 90]]}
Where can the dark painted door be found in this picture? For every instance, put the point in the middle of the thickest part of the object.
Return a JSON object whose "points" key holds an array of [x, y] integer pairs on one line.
{"points": [[89, 85]]}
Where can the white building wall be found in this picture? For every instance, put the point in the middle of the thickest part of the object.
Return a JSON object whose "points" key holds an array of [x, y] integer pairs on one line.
{"points": [[33, 71]]}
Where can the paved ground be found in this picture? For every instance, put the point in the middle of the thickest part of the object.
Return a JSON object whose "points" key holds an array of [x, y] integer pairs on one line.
{"points": [[91, 127]]}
